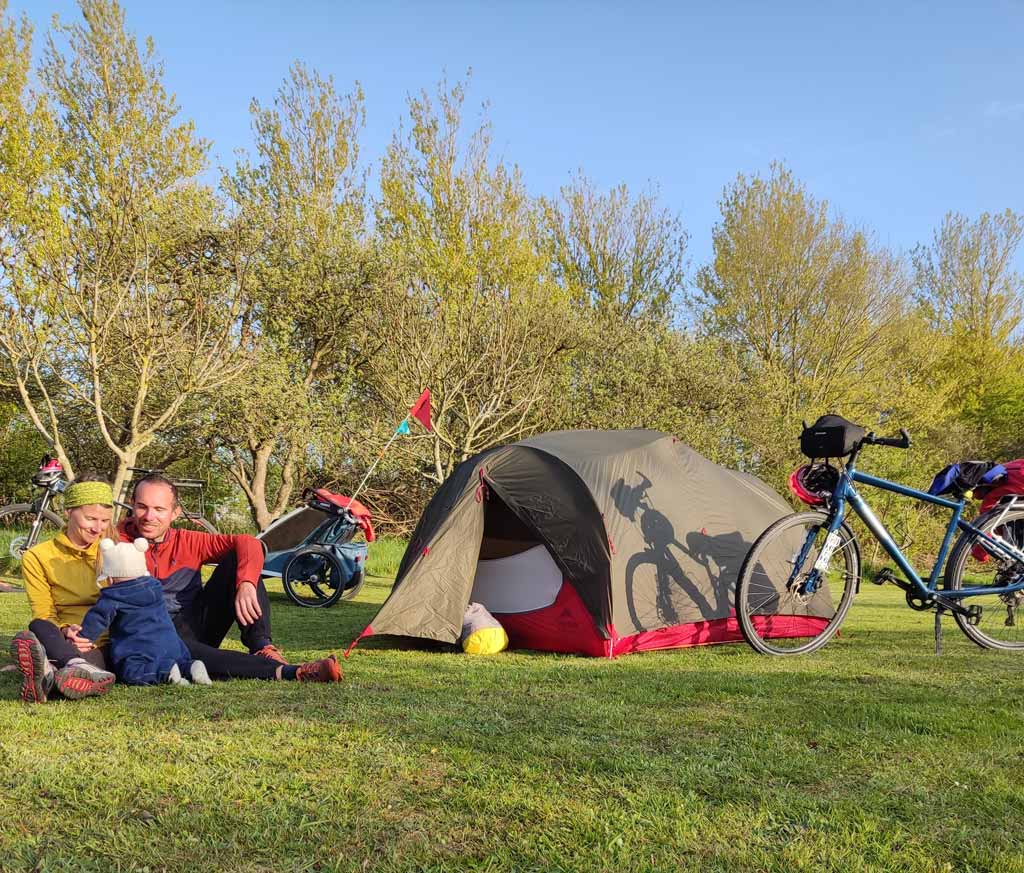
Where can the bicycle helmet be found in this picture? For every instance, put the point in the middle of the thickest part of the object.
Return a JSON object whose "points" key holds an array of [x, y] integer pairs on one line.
{"points": [[49, 471], [813, 483]]}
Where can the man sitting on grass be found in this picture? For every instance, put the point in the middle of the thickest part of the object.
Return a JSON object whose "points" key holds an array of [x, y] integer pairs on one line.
{"points": [[203, 614]]}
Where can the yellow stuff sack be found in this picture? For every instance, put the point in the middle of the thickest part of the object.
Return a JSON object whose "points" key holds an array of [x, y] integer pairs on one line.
{"points": [[486, 641], [481, 632]]}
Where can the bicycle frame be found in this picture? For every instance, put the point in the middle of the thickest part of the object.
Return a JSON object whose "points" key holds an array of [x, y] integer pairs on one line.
{"points": [[846, 493]]}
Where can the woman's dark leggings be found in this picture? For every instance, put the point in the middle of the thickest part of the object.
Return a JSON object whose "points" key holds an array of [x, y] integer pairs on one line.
{"points": [[59, 650]]}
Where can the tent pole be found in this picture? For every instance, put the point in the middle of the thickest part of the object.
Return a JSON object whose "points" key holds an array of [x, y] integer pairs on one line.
{"points": [[373, 466]]}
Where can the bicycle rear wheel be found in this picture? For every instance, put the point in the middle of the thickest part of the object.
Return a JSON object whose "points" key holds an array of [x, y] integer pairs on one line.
{"points": [[778, 612], [1001, 625], [16, 522]]}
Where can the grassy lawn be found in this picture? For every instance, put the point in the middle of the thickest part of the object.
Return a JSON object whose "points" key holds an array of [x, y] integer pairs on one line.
{"points": [[703, 759]]}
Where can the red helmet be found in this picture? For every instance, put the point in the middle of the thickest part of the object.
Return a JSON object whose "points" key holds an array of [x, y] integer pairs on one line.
{"points": [[813, 483]]}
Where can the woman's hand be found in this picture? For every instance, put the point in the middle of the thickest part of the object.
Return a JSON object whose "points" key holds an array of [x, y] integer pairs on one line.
{"points": [[72, 633]]}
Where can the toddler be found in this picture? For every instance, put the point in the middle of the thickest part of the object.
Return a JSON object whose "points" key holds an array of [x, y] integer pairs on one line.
{"points": [[145, 649]]}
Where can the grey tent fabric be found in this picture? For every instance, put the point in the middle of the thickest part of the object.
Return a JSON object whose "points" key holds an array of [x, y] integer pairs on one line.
{"points": [[649, 533]]}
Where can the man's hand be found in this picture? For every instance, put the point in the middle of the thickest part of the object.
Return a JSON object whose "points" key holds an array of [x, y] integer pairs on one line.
{"points": [[72, 633], [247, 605]]}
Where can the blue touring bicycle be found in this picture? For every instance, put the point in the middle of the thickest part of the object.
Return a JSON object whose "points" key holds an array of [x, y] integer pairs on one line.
{"points": [[799, 579]]}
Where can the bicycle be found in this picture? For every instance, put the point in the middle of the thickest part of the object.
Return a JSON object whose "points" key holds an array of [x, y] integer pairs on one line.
{"points": [[799, 578], [22, 525]]}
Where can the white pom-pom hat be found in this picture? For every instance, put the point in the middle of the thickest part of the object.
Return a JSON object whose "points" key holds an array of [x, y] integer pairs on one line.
{"points": [[123, 560]]}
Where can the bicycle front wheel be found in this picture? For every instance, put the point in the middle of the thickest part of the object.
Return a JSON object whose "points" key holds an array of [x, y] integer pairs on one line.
{"points": [[16, 532], [784, 607], [1001, 624]]}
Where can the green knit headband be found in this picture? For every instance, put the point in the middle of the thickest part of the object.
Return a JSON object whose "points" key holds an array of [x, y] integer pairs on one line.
{"points": [[87, 493]]}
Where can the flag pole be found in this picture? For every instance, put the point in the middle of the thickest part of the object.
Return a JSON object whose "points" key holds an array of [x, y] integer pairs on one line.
{"points": [[376, 461]]}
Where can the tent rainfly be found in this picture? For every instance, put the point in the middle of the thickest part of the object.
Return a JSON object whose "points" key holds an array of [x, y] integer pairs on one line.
{"points": [[590, 542]]}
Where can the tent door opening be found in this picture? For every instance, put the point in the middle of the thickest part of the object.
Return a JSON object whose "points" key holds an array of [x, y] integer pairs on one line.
{"points": [[519, 583]]}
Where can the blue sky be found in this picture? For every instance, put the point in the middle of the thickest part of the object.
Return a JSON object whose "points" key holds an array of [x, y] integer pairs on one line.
{"points": [[893, 112]]}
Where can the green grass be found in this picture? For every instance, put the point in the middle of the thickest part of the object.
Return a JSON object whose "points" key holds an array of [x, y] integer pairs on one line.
{"points": [[384, 556], [870, 755]]}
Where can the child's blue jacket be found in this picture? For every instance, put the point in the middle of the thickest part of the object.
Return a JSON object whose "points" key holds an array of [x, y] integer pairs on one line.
{"points": [[143, 642]]}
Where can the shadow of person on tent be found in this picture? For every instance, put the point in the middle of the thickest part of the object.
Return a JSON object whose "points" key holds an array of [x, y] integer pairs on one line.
{"points": [[659, 536]]}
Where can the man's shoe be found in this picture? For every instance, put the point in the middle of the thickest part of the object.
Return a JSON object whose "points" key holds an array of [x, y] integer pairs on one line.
{"points": [[81, 679], [37, 672], [324, 670], [271, 653]]}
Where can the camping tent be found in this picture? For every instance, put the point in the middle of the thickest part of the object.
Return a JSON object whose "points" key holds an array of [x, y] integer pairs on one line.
{"points": [[594, 542]]}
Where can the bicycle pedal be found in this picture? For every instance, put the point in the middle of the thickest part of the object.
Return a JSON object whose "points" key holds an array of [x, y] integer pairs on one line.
{"points": [[883, 576], [973, 614]]}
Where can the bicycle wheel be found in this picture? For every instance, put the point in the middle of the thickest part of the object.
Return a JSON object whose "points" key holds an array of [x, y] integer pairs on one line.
{"points": [[351, 588], [194, 522], [313, 577], [777, 613], [1001, 625], [16, 523]]}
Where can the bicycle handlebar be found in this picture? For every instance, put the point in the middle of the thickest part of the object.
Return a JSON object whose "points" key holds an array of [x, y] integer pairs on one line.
{"points": [[900, 442]]}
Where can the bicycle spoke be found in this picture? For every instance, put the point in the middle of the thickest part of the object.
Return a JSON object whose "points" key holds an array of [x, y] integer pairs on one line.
{"points": [[776, 614]]}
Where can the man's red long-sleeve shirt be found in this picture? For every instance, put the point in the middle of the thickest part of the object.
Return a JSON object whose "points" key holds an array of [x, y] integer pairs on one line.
{"points": [[177, 561]]}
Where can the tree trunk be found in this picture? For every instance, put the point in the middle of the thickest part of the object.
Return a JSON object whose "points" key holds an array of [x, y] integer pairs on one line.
{"points": [[127, 458]]}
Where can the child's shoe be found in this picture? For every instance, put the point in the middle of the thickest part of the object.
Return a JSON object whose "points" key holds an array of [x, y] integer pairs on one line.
{"points": [[175, 677], [199, 674]]}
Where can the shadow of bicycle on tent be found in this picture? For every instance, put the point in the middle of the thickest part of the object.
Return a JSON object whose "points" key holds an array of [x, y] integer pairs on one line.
{"points": [[720, 556]]}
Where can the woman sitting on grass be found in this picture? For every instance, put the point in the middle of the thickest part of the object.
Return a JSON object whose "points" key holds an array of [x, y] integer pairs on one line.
{"points": [[60, 581]]}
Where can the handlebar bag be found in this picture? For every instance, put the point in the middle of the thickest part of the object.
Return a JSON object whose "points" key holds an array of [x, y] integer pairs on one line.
{"points": [[831, 436]]}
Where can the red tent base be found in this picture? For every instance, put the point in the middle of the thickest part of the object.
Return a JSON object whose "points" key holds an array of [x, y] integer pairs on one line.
{"points": [[566, 626], [719, 630]]}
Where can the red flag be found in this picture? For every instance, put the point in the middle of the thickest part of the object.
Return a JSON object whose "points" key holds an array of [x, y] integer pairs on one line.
{"points": [[421, 410]]}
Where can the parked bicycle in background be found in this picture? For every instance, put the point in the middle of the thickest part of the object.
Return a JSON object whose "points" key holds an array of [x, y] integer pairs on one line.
{"points": [[22, 525], [798, 581]]}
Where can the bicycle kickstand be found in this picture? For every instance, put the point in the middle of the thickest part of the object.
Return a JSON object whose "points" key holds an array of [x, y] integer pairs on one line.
{"points": [[938, 630]]}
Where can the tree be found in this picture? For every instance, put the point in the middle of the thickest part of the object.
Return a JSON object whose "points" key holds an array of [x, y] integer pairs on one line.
{"points": [[119, 303], [471, 309], [817, 313], [616, 254], [973, 302], [301, 251]]}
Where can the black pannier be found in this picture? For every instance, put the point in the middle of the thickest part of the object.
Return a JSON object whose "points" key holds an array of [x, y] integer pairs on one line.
{"points": [[831, 436]]}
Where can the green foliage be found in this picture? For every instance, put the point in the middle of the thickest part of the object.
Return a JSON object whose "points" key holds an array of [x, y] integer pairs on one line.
{"points": [[299, 246], [271, 333], [973, 302], [820, 319], [617, 255], [470, 309], [115, 306], [21, 447]]}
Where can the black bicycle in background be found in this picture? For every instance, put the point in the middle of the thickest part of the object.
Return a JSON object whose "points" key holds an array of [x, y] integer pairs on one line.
{"points": [[22, 525]]}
